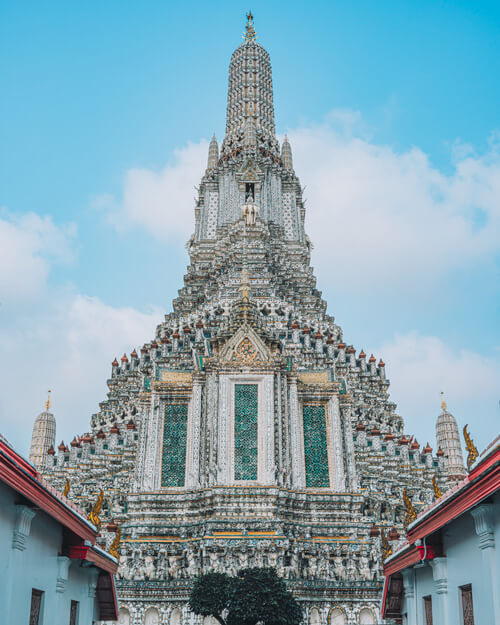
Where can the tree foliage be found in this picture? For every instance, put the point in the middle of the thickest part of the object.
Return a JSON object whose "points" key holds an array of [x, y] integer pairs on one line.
{"points": [[254, 596], [210, 595]]}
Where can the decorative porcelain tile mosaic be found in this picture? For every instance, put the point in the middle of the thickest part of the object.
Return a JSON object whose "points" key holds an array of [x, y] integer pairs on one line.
{"points": [[315, 447], [245, 431], [173, 466]]}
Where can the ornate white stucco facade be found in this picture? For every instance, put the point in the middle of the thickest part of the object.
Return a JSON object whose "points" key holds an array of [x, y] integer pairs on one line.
{"points": [[246, 432]]}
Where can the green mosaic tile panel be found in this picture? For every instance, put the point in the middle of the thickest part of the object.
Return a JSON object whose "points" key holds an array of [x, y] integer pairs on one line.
{"points": [[245, 431], [315, 447], [173, 465]]}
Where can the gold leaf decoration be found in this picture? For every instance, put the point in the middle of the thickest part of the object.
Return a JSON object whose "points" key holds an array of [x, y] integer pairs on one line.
{"points": [[66, 488], [96, 509], [411, 515], [113, 548], [437, 490], [471, 449], [386, 547]]}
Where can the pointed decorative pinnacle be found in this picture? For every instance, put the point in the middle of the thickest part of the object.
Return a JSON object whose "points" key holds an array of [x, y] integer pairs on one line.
{"points": [[213, 154], [249, 35], [286, 154], [47, 403], [443, 403], [471, 448]]}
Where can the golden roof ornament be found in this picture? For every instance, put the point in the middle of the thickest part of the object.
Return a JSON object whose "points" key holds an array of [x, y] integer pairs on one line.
{"points": [[411, 515], [444, 407], [66, 488], [113, 548], [47, 403], [250, 34], [471, 449], [386, 547], [437, 490], [96, 509]]}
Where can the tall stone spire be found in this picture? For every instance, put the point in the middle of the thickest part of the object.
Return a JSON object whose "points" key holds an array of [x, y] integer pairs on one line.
{"points": [[43, 436], [250, 91], [213, 154], [448, 438], [286, 154]]}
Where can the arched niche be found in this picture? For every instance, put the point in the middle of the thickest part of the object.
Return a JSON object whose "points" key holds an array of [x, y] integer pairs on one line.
{"points": [[337, 617], [367, 617], [314, 616], [175, 617], [123, 616], [151, 617]]}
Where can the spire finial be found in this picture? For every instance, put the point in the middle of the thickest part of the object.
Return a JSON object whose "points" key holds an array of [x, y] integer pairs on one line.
{"points": [[47, 403], [249, 35], [443, 403]]}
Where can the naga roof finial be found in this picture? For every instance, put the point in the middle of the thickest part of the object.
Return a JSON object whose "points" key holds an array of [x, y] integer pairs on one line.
{"points": [[250, 34], [471, 449], [47, 403]]}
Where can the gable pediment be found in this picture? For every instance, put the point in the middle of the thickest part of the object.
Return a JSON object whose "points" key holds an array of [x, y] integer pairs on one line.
{"points": [[245, 347], [249, 172]]}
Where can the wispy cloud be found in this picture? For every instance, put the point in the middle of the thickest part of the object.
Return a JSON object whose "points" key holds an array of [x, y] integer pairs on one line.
{"points": [[420, 367], [161, 202], [29, 245]]}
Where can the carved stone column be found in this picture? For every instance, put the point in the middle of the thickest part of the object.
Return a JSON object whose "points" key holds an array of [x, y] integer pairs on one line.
{"points": [[194, 437], [483, 517], [336, 445], [346, 420], [296, 438], [440, 576], [409, 589]]}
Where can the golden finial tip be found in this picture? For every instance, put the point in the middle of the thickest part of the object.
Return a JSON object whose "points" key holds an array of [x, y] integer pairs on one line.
{"points": [[250, 34], [443, 403], [47, 403]]}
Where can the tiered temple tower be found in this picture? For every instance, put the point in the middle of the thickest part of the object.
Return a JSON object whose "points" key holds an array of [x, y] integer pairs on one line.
{"points": [[247, 432], [43, 437], [448, 440]]}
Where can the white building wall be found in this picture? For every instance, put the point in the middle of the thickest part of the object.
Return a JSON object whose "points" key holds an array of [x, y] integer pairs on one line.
{"points": [[470, 558], [32, 561]]}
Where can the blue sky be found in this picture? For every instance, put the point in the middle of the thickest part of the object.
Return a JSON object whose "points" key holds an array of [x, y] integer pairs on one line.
{"points": [[105, 111]]}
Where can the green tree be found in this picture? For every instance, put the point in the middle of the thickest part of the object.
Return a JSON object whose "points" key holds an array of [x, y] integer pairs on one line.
{"points": [[210, 595], [254, 596]]}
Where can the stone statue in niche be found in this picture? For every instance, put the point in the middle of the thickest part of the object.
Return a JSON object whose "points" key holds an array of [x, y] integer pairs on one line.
{"points": [[338, 568], [149, 567], [364, 566], [250, 211], [192, 558]]}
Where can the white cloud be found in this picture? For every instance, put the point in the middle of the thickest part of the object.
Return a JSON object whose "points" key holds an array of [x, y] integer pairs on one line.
{"points": [[420, 367], [29, 244], [376, 214], [373, 213], [67, 345], [161, 202]]}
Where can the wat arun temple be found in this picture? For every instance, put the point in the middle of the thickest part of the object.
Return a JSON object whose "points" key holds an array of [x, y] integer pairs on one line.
{"points": [[248, 431]]}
